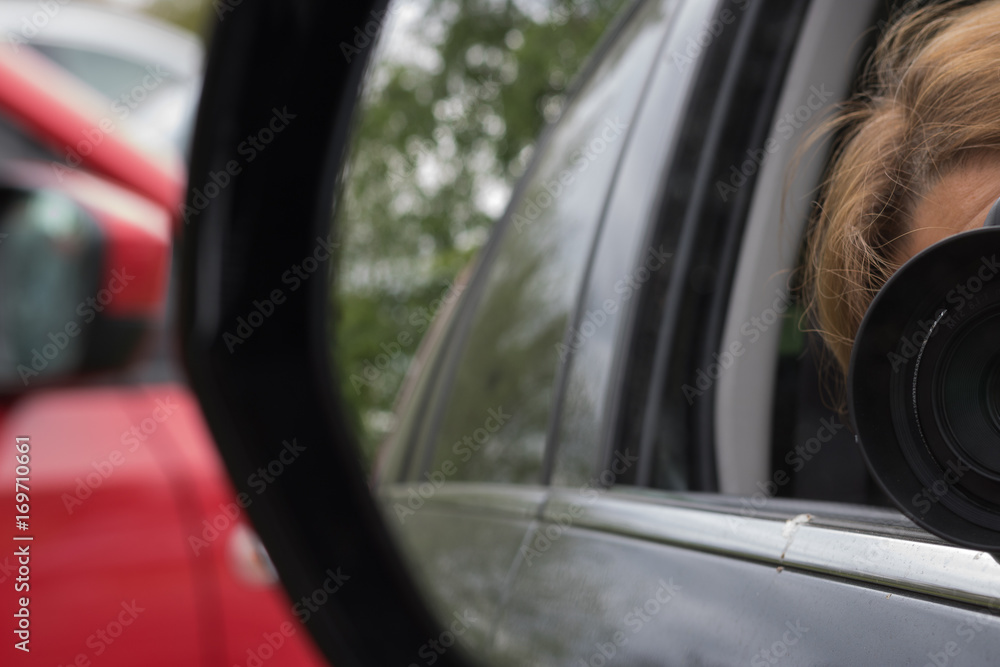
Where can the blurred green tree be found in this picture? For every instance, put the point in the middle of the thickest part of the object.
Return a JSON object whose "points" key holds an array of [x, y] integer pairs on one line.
{"points": [[457, 96]]}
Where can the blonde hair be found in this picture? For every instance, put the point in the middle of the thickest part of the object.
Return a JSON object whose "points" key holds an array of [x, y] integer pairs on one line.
{"points": [[930, 102]]}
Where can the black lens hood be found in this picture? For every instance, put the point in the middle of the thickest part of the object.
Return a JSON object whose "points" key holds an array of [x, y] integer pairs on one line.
{"points": [[923, 367]]}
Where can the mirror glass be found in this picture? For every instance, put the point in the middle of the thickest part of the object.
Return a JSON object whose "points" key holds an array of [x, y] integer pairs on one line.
{"points": [[50, 260]]}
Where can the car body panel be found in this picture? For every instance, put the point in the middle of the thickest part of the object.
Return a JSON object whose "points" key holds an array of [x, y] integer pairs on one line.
{"points": [[107, 528], [652, 604], [467, 576], [678, 582], [139, 509]]}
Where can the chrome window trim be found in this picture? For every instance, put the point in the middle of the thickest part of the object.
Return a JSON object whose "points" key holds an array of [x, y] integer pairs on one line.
{"points": [[865, 552], [931, 567], [509, 500]]}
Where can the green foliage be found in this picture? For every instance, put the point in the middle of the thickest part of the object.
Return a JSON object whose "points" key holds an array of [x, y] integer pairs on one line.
{"points": [[445, 130]]}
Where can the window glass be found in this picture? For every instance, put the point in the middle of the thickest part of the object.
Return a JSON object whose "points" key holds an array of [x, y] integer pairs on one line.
{"points": [[623, 263], [455, 100], [498, 408]]}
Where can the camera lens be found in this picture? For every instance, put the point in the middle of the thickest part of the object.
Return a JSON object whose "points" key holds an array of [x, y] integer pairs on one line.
{"points": [[924, 388], [967, 395]]}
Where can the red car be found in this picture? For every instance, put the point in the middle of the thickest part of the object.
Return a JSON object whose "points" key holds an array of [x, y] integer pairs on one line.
{"points": [[125, 541]]}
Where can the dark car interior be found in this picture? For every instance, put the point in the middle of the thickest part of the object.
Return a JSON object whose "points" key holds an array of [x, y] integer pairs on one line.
{"points": [[809, 390]]}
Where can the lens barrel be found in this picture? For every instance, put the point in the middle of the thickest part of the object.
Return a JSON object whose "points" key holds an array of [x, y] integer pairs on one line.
{"points": [[924, 388]]}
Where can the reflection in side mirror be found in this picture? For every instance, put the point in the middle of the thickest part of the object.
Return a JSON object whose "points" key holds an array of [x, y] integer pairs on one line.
{"points": [[80, 281], [50, 259], [925, 389]]}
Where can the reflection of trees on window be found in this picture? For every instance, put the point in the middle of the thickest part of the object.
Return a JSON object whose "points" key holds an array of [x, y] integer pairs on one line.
{"points": [[456, 99], [507, 364]]}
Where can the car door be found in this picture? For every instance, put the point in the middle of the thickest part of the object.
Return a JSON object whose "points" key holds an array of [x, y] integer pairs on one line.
{"points": [[663, 570], [649, 536]]}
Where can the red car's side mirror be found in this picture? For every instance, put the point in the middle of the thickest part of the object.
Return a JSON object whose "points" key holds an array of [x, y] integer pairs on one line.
{"points": [[83, 273]]}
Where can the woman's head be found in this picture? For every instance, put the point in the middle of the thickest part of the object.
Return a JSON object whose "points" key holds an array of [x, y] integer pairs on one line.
{"points": [[917, 158]]}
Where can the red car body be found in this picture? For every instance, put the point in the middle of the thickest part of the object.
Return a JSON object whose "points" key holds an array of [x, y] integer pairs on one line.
{"points": [[139, 553]]}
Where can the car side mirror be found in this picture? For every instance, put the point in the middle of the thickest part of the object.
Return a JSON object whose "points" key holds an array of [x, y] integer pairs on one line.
{"points": [[83, 271], [318, 518], [924, 388]]}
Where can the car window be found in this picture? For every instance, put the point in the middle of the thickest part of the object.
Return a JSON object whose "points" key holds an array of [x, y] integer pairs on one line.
{"points": [[665, 398], [448, 124], [497, 407], [622, 264]]}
